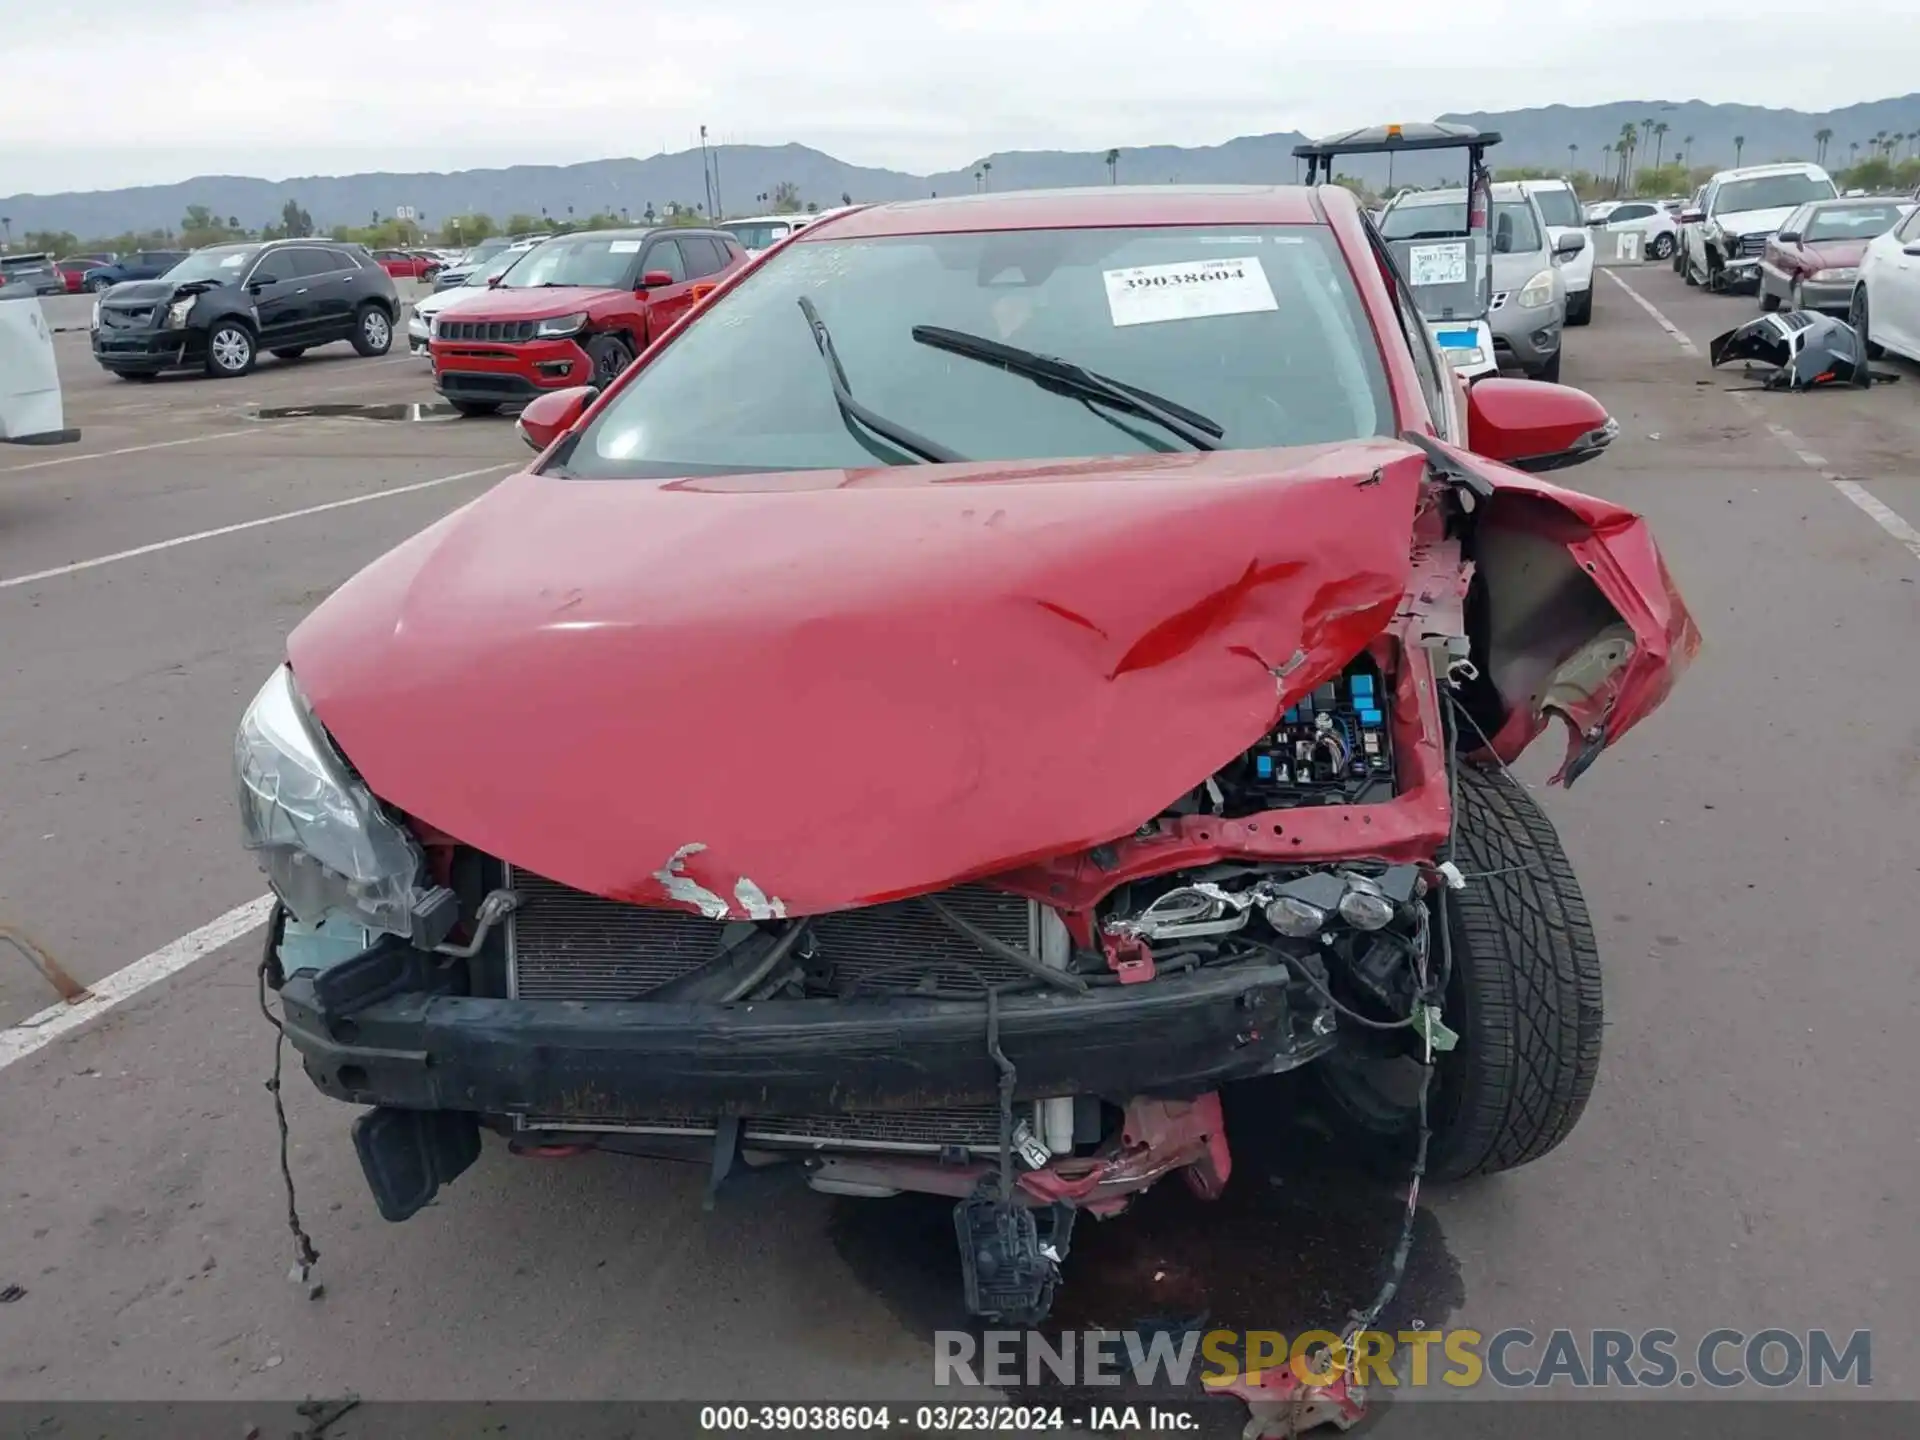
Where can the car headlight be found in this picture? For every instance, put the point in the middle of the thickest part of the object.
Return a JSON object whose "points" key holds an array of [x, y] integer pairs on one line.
{"points": [[1537, 292], [96, 315], [560, 326], [327, 847], [178, 311], [1845, 272]]}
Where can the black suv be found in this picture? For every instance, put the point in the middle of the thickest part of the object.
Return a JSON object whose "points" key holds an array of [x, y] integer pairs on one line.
{"points": [[219, 307]]}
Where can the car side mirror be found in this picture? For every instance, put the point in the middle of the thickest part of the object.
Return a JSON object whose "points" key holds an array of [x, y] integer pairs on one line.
{"points": [[1913, 249], [654, 279], [261, 280], [1569, 244], [1534, 425], [1692, 217], [1788, 237], [548, 417]]}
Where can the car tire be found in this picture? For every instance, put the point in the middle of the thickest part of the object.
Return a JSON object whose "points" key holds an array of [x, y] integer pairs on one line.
{"points": [[610, 355], [1580, 308], [230, 350], [100, 286], [476, 407], [372, 330], [1860, 318], [1524, 997], [1662, 247], [292, 353], [1769, 302], [1550, 371]]}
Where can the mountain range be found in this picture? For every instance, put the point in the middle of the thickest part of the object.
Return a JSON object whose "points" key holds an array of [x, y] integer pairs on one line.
{"points": [[1546, 136]]}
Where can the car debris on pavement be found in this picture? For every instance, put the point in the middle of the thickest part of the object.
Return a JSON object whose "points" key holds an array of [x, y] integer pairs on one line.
{"points": [[1799, 350]]}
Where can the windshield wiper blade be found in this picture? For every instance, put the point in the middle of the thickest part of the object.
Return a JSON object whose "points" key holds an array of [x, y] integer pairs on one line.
{"points": [[852, 410], [1063, 377]]}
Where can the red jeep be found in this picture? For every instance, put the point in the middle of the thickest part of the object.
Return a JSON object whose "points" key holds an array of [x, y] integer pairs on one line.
{"points": [[575, 311]]}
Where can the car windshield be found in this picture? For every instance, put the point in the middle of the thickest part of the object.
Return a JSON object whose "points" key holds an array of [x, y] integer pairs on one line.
{"points": [[1770, 192], [498, 265], [1558, 207], [23, 262], [1259, 328], [758, 235], [484, 251], [1852, 222], [1514, 230], [602, 262], [219, 262]]}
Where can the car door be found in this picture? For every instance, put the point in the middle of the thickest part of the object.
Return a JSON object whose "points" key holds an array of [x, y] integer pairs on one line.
{"points": [[280, 288], [333, 294], [1895, 316], [665, 303]]}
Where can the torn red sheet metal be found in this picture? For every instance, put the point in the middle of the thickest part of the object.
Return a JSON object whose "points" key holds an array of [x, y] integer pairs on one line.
{"points": [[1284, 1405], [788, 694]]}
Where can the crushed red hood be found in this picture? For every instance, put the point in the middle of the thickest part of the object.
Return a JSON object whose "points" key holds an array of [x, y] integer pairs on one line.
{"points": [[531, 302], [808, 691]]}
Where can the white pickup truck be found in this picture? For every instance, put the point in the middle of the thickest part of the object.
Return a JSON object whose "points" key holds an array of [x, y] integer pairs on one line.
{"points": [[30, 408]]}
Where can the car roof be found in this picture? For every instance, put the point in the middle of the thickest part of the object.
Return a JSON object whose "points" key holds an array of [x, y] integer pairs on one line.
{"points": [[1081, 207], [1778, 167], [1542, 183], [766, 220]]}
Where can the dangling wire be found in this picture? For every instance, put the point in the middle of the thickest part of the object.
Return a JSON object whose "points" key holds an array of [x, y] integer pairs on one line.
{"points": [[305, 1256]]}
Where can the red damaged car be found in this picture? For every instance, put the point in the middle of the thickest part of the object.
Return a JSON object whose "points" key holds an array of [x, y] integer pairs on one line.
{"points": [[1814, 260], [1006, 668], [574, 312]]}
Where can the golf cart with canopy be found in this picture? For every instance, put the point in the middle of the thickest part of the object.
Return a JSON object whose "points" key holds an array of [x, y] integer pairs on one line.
{"points": [[1450, 266]]}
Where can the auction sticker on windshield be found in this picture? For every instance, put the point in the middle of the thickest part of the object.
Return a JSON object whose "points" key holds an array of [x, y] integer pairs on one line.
{"points": [[1438, 264], [1189, 290]]}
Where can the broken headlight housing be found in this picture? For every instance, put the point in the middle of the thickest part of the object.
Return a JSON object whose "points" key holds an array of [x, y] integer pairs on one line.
{"points": [[328, 848]]}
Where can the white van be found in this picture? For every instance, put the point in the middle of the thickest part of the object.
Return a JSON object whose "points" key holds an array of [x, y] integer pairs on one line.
{"points": [[1560, 207], [30, 408]]}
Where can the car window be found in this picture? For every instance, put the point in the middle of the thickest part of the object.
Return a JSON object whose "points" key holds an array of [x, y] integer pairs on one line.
{"points": [[1768, 192], [1557, 206], [1433, 372], [602, 262], [1266, 334], [1514, 227], [1851, 222], [665, 255], [759, 234], [341, 260], [1911, 229], [217, 262], [299, 262], [1631, 212]]}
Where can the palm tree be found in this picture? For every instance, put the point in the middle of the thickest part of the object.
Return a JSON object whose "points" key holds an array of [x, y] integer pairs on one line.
{"points": [[978, 176], [1820, 139], [1879, 141], [1573, 158], [1686, 142], [1628, 143], [1659, 141], [1853, 152], [1113, 167], [986, 168], [1739, 144]]}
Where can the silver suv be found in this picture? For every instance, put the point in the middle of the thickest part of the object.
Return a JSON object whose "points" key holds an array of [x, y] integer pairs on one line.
{"points": [[1528, 311]]}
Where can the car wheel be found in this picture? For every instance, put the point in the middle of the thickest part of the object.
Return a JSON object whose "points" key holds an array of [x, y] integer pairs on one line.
{"points": [[1859, 317], [1550, 372], [476, 407], [610, 355], [293, 353], [1524, 997], [372, 330], [1662, 247], [100, 286], [229, 350], [1580, 308]]}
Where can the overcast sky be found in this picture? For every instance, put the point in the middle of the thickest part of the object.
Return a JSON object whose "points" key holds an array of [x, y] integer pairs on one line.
{"points": [[129, 92]]}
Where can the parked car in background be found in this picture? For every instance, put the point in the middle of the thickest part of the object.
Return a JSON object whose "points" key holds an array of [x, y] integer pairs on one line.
{"points": [[1559, 206], [479, 256], [1814, 260], [1659, 232], [1600, 209], [574, 310], [597, 894], [420, 314], [141, 265], [762, 232], [409, 264], [1739, 213], [74, 269], [1885, 305], [1529, 301], [29, 273], [219, 307]]}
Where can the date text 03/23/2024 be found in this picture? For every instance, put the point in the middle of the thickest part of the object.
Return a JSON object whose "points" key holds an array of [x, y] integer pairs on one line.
{"points": [[947, 1419]]}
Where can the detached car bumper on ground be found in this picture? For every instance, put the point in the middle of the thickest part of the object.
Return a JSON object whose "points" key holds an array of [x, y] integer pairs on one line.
{"points": [[869, 814]]}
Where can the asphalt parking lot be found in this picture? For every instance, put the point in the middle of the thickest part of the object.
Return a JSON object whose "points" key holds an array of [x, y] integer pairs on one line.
{"points": [[1750, 1157]]}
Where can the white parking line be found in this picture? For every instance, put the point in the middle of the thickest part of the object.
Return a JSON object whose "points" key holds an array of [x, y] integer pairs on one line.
{"points": [[37, 1032], [124, 450], [11, 581], [1870, 505]]}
